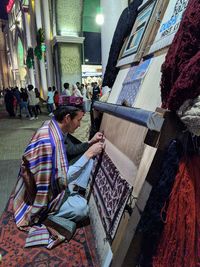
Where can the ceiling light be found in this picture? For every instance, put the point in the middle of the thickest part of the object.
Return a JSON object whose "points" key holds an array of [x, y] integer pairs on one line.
{"points": [[99, 19]]}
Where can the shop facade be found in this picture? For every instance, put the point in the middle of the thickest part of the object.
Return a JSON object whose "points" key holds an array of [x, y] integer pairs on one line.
{"points": [[45, 42]]}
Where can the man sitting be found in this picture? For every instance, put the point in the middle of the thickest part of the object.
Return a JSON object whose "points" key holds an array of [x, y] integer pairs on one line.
{"points": [[47, 190]]}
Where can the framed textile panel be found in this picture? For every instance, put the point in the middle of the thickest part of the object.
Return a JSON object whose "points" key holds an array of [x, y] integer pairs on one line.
{"points": [[132, 83], [111, 193], [133, 43], [138, 30], [154, 25], [129, 92]]}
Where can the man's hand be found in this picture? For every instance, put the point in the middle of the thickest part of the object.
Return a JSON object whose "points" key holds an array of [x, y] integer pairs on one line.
{"points": [[94, 150], [96, 138]]}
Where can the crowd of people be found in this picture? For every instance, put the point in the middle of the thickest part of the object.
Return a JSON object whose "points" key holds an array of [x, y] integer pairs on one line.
{"points": [[28, 100], [24, 100], [89, 91]]}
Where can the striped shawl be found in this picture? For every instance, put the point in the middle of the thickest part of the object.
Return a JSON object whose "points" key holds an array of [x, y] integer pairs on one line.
{"points": [[41, 185]]}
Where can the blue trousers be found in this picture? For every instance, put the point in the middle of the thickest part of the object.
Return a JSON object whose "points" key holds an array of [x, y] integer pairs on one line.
{"points": [[75, 208]]}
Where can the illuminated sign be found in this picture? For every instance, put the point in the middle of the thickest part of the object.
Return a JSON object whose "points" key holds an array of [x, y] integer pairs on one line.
{"points": [[10, 5]]}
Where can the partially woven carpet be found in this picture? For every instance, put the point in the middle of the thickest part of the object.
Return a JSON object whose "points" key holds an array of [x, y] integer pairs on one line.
{"points": [[79, 252], [111, 193]]}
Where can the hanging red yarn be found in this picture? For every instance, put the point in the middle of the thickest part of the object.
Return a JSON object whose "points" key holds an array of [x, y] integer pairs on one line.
{"points": [[179, 245], [180, 71]]}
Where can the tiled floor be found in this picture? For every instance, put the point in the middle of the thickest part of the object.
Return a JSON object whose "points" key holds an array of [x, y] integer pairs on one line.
{"points": [[15, 134]]}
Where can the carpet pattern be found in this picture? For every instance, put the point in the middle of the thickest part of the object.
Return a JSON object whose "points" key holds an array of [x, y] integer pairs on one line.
{"points": [[132, 83], [129, 92], [79, 252], [111, 193]]}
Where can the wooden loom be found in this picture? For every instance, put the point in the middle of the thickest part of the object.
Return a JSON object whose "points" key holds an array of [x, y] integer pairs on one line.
{"points": [[162, 126]]}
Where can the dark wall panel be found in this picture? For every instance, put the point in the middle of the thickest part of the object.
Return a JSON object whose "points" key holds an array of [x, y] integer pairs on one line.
{"points": [[92, 48]]}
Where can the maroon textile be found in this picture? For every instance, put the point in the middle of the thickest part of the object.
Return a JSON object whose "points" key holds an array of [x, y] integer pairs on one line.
{"points": [[180, 72], [179, 245], [80, 251], [70, 100]]}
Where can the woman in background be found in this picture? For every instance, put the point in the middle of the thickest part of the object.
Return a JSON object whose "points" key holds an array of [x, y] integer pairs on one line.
{"points": [[56, 99], [37, 106], [75, 91]]}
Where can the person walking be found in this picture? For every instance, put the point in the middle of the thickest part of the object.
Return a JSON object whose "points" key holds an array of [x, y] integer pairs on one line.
{"points": [[24, 102], [50, 101], [32, 100], [37, 106]]}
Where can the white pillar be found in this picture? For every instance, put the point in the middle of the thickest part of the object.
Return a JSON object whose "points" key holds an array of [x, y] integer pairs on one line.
{"points": [[42, 63], [12, 50], [33, 41], [47, 28], [112, 10], [29, 44]]}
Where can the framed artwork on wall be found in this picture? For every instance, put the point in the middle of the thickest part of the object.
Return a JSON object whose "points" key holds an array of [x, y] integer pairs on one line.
{"points": [[169, 25], [135, 38]]}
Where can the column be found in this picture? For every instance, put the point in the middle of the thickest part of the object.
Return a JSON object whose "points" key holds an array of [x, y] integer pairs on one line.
{"points": [[33, 42], [42, 63], [47, 29], [3, 60], [68, 44], [29, 44], [13, 57]]}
